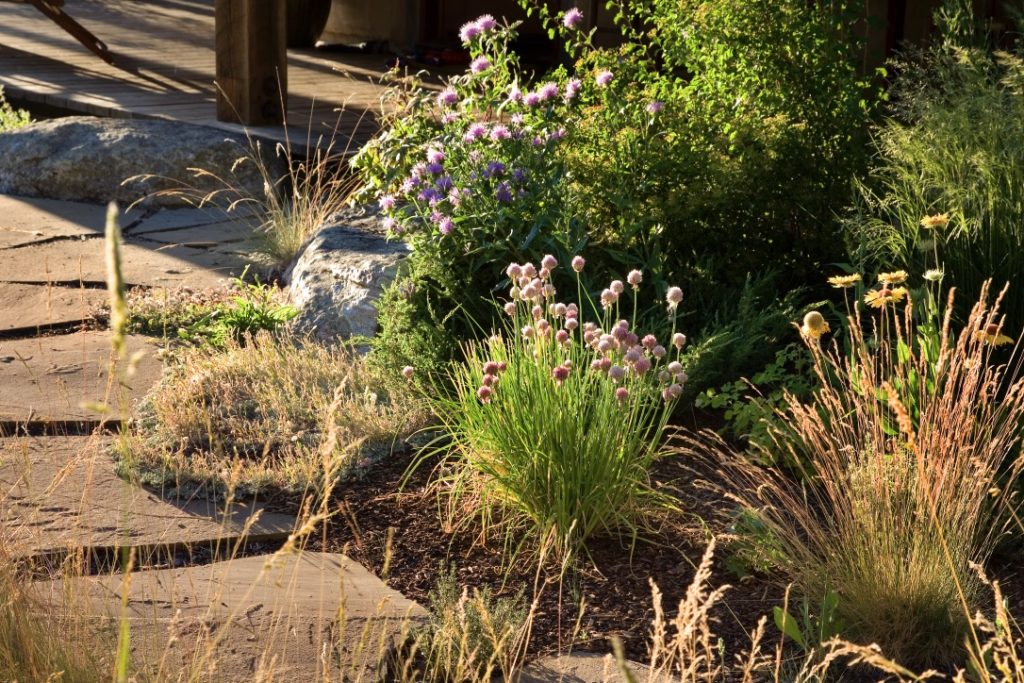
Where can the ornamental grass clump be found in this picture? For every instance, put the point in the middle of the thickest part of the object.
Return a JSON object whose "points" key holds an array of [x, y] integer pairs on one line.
{"points": [[555, 422], [908, 461]]}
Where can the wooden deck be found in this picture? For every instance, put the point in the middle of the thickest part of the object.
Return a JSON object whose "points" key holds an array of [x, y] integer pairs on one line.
{"points": [[164, 68]]}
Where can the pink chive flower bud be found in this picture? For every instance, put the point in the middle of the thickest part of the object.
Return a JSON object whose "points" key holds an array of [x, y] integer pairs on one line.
{"points": [[608, 298], [632, 339], [528, 331], [543, 326], [679, 340], [620, 333], [675, 366], [606, 364], [571, 324], [562, 337], [510, 308], [666, 395], [649, 341], [621, 394], [589, 336], [528, 292], [673, 296], [624, 324], [408, 371], [634, 278], [591, 327], [658, 352], [572, 18], [631, 356], [675, 390], [681, 377], [490, 368], [595, 365], [544, 274], [524, 281], [502, 366], [537, 312], [484, 393], [642, 366], [617, 373], [489, 380], [572, 311], [664, 376], [578, 262], [514, 293], [560, 374], [604, 78], [617, 286], [549, 262], [559, 310], [604, 346], [514, 271], [549, 291], [529, 270]]}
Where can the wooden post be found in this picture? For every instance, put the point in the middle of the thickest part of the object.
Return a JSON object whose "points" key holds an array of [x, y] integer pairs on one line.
{"points": [[252, 66]]}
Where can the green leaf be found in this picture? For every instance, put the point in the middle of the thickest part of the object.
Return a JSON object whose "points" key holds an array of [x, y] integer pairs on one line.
{"points": [[787, 624]]}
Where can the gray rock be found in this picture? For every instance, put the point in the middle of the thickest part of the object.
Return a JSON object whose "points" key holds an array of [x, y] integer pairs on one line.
{"points": [[340, 274], [87, 158]]}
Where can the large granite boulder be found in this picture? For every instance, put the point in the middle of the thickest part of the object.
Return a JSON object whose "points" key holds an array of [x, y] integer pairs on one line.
{"points": [[86, 158], [340, 274]]}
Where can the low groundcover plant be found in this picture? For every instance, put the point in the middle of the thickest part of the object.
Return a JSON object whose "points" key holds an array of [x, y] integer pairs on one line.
{"points": [[555, 422]]}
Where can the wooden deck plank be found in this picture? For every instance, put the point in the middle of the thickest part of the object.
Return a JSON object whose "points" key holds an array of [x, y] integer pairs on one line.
{"points": [[164, 68]]}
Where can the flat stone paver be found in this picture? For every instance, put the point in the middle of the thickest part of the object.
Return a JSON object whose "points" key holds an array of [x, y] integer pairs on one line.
{"points": [[211, 234], [145, 264], [61, 492], [25, 220], [61, 378], [251, 612], [174, 219], [586, 667], [29, 307]]}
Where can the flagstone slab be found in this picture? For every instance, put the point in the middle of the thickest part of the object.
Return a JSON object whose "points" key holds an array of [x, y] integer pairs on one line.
{"points": [[587, 667], [61, 378], [255, 614], [61, 493], [27, 220], [29, 307], [210, 234], [144, 264], [172, 219]]}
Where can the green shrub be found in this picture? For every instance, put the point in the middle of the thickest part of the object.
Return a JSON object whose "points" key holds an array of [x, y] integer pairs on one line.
{"points": [[952, 148], [11, 118], [555, 423], [670, 154]]}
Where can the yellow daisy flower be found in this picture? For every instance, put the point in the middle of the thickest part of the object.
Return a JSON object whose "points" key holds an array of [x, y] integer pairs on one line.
{"points": [[897, 277], [844, 281], [877, 298], [991, 335], [814, 326], [935, 222]]}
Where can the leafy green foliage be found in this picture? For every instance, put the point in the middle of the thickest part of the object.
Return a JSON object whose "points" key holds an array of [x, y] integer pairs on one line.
{"points": [[209, 318], [11, 118], [815, 626], [953, 144]]}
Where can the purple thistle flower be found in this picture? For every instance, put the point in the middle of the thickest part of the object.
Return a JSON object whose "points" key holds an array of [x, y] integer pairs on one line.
{"points": [[531, 99], [429, 194], [435, 168], [446, 225], [519, 175], [450, 117], [389, 223], [548, 91], [418, 170], [655, 106], [444, 183], [486, 22], [557, 134], [447, 97], [517, 119], [469, 31], [503, 194], [500, 132], [572, 18], [435, 156], [536, 142], [480, 64], [387, 202], [455, 197], [410, 184], [495, 169], [475, 132], [604, 78], [572, 88]]}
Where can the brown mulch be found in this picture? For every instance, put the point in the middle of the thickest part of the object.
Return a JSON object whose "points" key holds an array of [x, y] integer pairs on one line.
{"points": [[377, 523]]}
